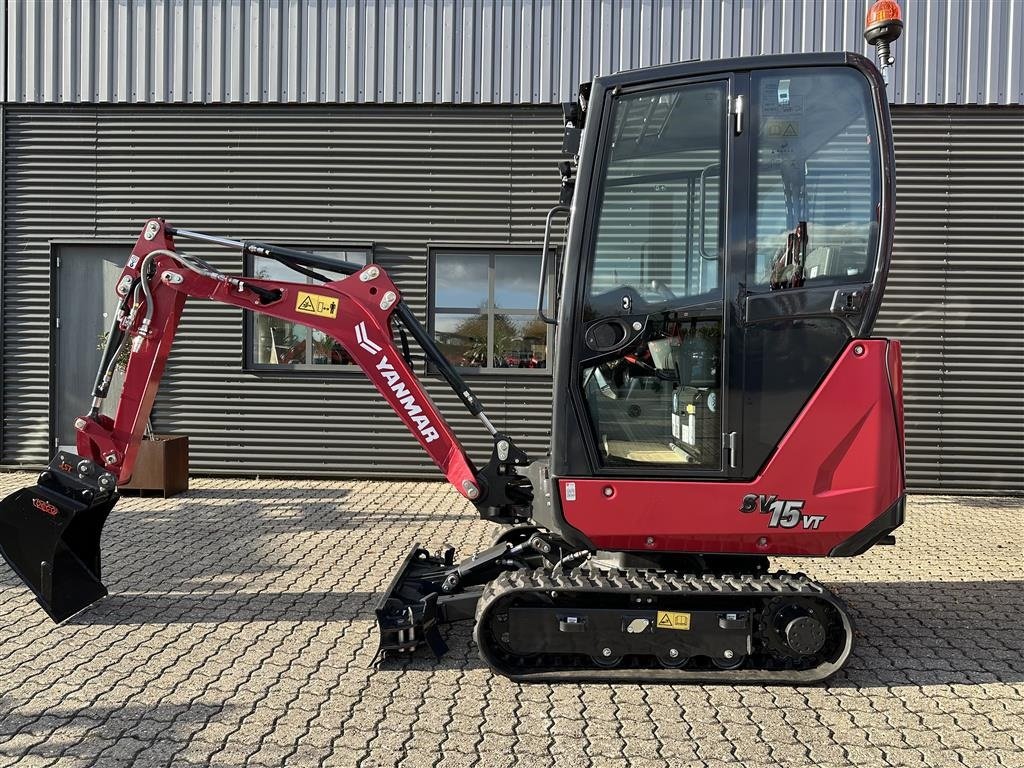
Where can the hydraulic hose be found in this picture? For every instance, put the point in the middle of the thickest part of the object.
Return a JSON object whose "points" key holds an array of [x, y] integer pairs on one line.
{"points": [[560, 565], [146, 290], [116, 339]]}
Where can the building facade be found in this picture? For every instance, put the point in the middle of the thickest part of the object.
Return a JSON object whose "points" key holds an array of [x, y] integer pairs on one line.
{"points": [[423, 136]]}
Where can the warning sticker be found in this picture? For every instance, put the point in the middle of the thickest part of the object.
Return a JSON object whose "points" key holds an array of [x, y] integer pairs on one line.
{"points": [[315, 304], [673, 620], [782, 129]]}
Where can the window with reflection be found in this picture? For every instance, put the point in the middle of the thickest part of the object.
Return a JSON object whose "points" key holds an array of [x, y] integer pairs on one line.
{"points": [[483, 310], [662, 207], [815, 178], [276, 344]]}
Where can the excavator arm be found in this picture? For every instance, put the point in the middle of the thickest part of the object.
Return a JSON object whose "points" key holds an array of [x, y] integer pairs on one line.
{"points": [[359, 311], [50, 532]]}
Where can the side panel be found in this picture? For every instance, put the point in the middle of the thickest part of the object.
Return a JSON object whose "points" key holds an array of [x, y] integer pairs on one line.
{"points": [[837, 469]]}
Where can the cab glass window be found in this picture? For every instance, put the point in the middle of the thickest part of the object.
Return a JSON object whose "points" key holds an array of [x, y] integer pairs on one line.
{"points": [[816, 169], [658, 231], [658, 253]]}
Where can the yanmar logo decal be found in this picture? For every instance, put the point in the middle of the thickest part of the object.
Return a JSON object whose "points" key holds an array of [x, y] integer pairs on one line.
{"points": [[44, 506], [396, 385], [364, 342]]}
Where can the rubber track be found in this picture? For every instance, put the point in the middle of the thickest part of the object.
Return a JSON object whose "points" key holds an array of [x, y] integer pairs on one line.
{"points": [[658, 583]]}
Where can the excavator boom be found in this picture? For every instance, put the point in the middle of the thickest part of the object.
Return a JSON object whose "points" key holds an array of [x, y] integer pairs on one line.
{"points": [[59, 553]]}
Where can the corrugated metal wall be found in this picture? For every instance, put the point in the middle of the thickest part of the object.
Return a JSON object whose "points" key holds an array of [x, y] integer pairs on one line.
{"points": [[470, 51], [956, 295], [397, 176], [405, 176]]}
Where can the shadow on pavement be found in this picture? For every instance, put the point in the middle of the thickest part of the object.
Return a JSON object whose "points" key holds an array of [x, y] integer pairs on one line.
{"points": [[214, 607], [934, 632], [100, 734]]}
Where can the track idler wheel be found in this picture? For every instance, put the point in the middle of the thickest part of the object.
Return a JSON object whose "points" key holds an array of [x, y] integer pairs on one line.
{"points": [[796, 628]]}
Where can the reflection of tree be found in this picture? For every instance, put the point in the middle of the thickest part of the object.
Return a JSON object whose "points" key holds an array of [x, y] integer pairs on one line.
{"points": [[467, 344], [505, 339], [536, 331], [283, 342], [514, 345], [323, 346]]}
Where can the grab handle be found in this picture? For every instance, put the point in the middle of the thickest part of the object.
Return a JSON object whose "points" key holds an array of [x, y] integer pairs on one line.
{"points": [[542, 288], [703, 214]]}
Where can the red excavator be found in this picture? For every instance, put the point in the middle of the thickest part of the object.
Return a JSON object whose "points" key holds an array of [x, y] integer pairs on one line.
{"points": [[718, 396]]}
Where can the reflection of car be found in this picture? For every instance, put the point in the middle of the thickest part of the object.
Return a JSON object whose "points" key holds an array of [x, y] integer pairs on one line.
{"points": [[519, 360]]}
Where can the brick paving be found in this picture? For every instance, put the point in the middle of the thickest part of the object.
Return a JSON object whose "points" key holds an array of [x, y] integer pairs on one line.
{"points": [[239, 632]]}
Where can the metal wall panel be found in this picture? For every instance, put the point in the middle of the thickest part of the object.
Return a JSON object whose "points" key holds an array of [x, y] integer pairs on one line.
{"points": [[403, 177], [955, 295], [469, 51], [396, 176]]}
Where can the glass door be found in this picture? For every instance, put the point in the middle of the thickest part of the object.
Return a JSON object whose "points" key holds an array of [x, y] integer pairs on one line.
{"points": [[650, 358], [811, 274]]}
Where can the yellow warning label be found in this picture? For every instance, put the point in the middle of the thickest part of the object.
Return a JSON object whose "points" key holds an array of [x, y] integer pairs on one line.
{"points": [[782, 129], [315, 304], [673, 620]]}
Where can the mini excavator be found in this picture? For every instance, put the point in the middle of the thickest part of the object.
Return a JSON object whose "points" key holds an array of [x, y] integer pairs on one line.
{"points": [[718, 396]]}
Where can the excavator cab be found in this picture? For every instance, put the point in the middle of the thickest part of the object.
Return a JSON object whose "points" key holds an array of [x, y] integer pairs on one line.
{"points": [[717, 395], [736, 239]]}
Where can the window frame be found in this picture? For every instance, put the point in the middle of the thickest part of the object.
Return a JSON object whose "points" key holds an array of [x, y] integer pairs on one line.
{"points": [[443, 249], [307, 370]]}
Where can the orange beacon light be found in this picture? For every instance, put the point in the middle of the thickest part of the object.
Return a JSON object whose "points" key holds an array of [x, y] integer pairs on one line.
{"points": [[883, 26]]}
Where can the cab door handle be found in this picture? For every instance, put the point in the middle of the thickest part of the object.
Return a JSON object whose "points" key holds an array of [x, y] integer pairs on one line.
{"points": [[847, 301]]}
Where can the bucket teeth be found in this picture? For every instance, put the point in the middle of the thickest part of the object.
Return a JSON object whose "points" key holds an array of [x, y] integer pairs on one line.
{"points": [[50, 533]]}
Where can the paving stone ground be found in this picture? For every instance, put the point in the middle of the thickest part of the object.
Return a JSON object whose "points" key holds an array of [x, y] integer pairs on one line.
{"points": [[239, 632]]}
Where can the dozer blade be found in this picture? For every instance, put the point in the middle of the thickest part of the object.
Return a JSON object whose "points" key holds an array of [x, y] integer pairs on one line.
{"points": [[418, 602], [50, 533]]}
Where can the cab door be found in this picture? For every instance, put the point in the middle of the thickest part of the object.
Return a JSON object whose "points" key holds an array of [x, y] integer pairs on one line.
{"points": [[819, 229], [650, 378]]}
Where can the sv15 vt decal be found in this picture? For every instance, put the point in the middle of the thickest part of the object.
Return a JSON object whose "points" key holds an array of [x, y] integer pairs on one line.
{"points": [[785, 513]]}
